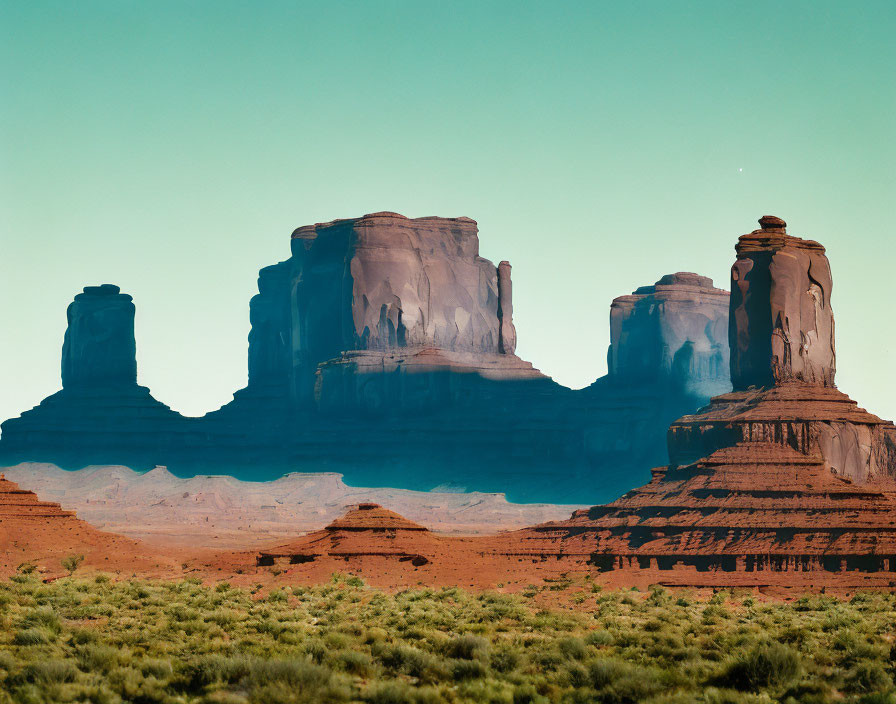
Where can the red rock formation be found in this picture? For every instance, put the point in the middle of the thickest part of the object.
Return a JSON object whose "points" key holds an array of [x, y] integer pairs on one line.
{"points": [[384, 349], [753, 507], [366, 531], [20, 504], [42, 533], [222, 512], [782, 325], [786, 474], [365, 290], [813, 420], [784, 481]]}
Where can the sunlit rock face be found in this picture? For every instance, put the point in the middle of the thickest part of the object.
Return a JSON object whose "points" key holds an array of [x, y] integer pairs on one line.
{"points": [[672, 333], [782, 324], [378, 294], [782, 476], [783, 364]]}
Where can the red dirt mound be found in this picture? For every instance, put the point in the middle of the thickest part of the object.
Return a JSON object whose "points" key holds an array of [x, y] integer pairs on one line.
{"points": [[41, 533]]}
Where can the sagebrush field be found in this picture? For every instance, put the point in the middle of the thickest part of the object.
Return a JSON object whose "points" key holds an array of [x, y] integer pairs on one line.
{"points": [[98, 640]]}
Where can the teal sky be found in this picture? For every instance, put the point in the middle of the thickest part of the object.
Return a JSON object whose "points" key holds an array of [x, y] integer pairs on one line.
{"points": [[172, 147]]}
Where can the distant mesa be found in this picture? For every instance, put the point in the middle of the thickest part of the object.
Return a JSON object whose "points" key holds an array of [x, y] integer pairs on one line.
{"points": [[674, 332], [384, 348]]}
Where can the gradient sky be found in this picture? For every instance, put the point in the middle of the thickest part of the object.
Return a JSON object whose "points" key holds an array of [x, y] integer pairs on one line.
{"points": [[172, 147]]}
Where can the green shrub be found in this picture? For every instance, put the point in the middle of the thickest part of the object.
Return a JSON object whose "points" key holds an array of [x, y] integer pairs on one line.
{"points": [[355, 662], [212, 669], [505, 659], [467, 670], [33, 636], [95, 657], [49, 672], [71, 563], [396, 692], [599, 637], [527, 694], [868, 677], [765, 665], [43, 617], [572, 648], [468, 647], [156, 667], [622, 683]]}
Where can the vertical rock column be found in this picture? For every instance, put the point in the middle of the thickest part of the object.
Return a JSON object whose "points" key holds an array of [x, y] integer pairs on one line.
{"points": [[506, 330], [99, 348], [781, 327]]}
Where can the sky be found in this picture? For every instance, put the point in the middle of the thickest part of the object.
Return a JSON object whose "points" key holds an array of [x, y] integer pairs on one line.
{"points": [[172, 147]]}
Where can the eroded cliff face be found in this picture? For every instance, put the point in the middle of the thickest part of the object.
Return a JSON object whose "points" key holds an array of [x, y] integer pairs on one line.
{"points": [[674, 333], [783, 365], [376, 291], [99, 347], [782, 324]]}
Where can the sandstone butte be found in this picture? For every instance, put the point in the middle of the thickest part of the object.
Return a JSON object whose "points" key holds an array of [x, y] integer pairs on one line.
{"points": [[384, 349], [783, 482]]}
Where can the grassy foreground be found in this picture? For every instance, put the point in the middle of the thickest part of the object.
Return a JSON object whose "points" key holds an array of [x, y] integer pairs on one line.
{"points": [[102, 641]]}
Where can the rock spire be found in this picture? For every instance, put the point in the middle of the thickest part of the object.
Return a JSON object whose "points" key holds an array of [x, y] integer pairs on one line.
{"points": [[782, 324]]}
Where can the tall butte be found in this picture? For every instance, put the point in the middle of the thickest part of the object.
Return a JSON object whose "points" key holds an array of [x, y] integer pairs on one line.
{"points": [[783, 475], [101, 413]]}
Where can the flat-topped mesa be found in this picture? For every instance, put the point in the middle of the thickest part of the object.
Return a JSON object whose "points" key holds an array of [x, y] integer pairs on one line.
{"points": [[405, 283], [782, 324], [99, 347], [362, 290], [673, 332]]}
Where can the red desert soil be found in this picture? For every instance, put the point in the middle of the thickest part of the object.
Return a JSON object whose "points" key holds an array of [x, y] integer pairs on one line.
{"points": [[386, 549]]}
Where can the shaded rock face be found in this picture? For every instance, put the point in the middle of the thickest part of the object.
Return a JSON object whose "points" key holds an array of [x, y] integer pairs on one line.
{"points": [[674, 333], [101, 415], [782, 325], [384, 349], [99, 347]]}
